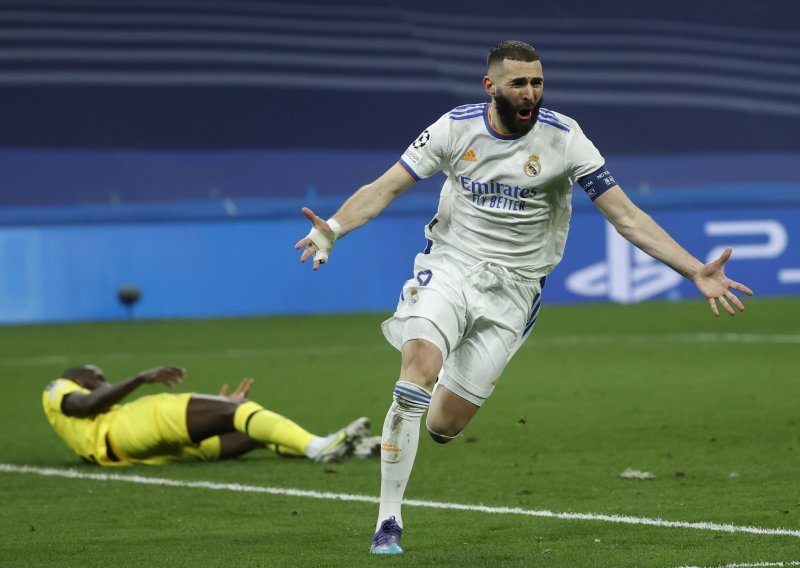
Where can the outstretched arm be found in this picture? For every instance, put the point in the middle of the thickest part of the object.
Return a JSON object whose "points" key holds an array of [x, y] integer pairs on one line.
{"points": [[102, 398], [640, 229], [361, 207]]}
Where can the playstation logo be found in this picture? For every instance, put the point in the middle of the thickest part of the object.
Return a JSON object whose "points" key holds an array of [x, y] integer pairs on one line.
{"points": [[627, 276]]}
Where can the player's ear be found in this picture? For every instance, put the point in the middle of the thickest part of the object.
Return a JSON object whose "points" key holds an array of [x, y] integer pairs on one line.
{"points": [[488, 84]]}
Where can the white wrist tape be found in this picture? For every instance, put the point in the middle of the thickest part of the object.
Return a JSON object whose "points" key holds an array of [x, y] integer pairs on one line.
{"points": [[335, 227], [323, 242]]}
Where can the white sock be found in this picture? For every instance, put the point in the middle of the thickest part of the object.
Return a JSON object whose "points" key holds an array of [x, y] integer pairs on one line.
{"points": [[318, 444], [399, 446]]}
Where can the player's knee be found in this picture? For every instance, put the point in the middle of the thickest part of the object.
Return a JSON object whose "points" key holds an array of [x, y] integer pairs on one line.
{"points": [[422, 361], [229, 410]]}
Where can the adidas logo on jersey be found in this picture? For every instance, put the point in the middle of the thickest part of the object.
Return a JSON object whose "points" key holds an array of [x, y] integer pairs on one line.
{"points": [[469, 156]]}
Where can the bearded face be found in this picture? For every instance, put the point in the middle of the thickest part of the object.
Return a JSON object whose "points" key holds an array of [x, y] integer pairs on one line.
{"points": [[518, 119]]}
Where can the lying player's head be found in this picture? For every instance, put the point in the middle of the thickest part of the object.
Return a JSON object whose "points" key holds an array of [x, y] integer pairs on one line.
{"points": [[88, 376], [515, 82]]}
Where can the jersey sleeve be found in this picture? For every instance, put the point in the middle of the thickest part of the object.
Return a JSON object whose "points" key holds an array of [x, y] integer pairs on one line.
{"points": [[582, 156], [429, 153], [587, 166], [55, 392]]}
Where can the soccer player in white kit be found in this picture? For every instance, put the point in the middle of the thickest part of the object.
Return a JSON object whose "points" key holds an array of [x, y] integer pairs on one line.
{"points": [[500, 229]]}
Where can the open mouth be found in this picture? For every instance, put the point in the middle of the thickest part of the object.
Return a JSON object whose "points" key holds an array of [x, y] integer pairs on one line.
{"points": [[524, 114]]}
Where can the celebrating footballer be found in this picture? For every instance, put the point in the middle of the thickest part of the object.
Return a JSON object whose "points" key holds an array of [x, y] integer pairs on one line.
{"points": [[500, 229]]}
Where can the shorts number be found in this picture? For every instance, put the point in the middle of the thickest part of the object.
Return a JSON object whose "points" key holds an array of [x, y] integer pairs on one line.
{"points": [[424, 277]]}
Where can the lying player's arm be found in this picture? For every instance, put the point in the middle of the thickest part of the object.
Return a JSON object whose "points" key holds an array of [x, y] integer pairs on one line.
{"points": [[364, 205], [102, 398], [639, 228]]}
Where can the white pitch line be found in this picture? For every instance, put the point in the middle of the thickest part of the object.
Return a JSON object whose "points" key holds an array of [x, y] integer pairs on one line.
{"points": [[742, 337], [624, 519], [567, 340], [752, 565]]}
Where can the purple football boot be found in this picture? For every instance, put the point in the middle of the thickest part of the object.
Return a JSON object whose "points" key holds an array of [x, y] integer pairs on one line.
{"points": [[387, 539]]}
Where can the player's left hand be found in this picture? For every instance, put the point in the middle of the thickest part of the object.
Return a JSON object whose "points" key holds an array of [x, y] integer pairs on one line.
{"points": [[716, 287], [240, 393], [168, 375]]}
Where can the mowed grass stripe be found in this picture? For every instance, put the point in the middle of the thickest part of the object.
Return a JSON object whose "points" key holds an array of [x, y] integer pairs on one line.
{"points": [[552, 340], [236, 487]]}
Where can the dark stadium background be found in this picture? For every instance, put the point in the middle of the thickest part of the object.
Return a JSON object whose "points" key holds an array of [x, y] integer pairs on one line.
{"points": [[169, 145]]}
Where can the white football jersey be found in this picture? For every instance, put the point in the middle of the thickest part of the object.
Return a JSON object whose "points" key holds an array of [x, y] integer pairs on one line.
{"points": [[507, 199]]}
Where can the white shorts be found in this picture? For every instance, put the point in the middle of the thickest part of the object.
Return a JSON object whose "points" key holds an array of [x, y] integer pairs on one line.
{"points": [[481, 315]]}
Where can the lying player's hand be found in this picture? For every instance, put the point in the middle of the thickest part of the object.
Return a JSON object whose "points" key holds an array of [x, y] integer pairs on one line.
{"points": [[240, 393], [319, 242], [715, 286], [169, 376]]}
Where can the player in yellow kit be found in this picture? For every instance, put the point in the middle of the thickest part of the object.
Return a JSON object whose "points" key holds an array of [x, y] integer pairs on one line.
{"points": [[85, 411]]}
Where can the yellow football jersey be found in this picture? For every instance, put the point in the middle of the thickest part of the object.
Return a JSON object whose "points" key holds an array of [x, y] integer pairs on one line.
{"points": [[85, 436], [150, 441]]}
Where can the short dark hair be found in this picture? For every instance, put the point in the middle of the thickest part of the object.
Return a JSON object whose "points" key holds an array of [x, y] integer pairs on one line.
{"points": [[73, 372], [512, 49]]}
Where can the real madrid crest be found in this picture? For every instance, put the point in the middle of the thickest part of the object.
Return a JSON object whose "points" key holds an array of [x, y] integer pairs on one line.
{"points": [[413, 297], [532, 167]]}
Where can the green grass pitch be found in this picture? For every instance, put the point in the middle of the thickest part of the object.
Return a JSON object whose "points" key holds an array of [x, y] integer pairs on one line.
{"points": [[710, 406]]}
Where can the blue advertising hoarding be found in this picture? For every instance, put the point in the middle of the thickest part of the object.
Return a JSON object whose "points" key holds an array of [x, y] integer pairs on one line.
{"points": [[600, 265], [242, 267]]}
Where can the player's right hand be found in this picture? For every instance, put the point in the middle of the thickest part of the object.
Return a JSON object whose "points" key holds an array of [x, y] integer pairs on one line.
{"points": [[318, 242], [240, 393]]}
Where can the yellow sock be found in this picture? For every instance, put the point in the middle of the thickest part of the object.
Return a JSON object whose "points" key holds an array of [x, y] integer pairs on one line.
{"points": [[269, 427]]}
